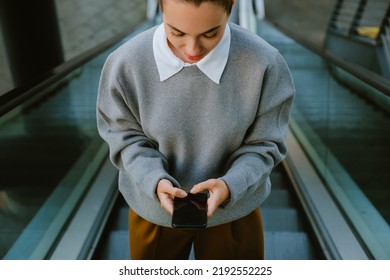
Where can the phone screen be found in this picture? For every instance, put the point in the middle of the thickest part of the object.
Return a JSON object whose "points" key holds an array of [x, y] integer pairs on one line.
{"points": [[190, 211]]}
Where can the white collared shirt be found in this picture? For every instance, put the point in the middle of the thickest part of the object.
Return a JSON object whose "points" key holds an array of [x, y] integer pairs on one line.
{"points": [[168, 64]]}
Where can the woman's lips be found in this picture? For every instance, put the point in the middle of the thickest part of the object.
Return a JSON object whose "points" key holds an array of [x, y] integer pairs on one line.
{"points": [[194, 57]]}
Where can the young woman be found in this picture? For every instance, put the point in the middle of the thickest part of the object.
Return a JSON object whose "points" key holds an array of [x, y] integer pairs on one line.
{"points": [[196, 104]]}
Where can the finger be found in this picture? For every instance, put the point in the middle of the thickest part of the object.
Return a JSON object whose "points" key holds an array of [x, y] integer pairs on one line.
{"points": [[204, 186], [176, 192], [166, 199], [218, 193], [166, 193], [163, 193], [165, 186], [212, 206], [166, 202]]}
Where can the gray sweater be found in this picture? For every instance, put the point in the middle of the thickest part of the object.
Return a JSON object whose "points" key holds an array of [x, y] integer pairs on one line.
{"points": [[189, 129]]}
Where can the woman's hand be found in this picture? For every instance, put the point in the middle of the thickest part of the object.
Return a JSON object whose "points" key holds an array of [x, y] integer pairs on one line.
{"points": [[166, 192], [218, 190]]}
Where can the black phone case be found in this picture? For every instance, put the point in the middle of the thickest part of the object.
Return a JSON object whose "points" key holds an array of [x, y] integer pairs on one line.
{"points": [[190, 212]]}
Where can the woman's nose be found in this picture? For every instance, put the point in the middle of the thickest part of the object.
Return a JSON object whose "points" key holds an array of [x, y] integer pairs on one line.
{"points": [[193, 47]]}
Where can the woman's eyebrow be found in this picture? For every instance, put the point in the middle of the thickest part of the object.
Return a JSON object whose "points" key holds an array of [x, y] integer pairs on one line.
{"points": [[208, 31]]}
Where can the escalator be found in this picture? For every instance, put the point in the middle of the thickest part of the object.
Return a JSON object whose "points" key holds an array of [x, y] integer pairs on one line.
{"points": [[58, 192], [325, 113]]}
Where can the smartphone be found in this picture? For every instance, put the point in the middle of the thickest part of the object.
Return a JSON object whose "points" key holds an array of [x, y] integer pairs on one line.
{"points": [[190, 211]]}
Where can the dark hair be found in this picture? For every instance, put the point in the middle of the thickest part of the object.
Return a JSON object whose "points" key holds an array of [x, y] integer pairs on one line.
{"points": [[226, 4]]}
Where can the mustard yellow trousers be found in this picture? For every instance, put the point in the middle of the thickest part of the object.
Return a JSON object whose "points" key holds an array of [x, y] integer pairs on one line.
{"points": [[242, 239]]}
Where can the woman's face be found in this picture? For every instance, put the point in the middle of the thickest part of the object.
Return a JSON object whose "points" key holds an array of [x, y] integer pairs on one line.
{"points": [[192, 32]]}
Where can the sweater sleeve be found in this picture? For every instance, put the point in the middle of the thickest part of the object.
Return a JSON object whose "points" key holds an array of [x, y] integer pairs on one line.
{"points": [[264, 144], [131, 151]]}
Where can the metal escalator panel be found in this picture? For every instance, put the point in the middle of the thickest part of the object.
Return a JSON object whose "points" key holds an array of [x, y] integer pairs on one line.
{"points": [[345, 132]]}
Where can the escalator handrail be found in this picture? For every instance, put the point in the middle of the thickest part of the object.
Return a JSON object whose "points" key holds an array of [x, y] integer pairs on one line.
{"points": [[375, 80]]}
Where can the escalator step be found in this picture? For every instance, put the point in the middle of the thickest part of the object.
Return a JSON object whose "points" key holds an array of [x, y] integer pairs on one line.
{"points": [[278, 246], [117, 246], [283, 245], [281, 219], [279, 198]]}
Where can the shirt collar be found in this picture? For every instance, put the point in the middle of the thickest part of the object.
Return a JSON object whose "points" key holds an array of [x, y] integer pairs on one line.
{"points": [[168, 64]]}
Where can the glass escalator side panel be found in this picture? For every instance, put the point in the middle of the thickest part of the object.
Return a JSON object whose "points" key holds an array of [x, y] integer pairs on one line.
{"points": [[42, 158]]}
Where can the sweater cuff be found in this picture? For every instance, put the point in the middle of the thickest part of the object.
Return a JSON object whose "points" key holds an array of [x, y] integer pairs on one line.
{"points": [[236, 184]]}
